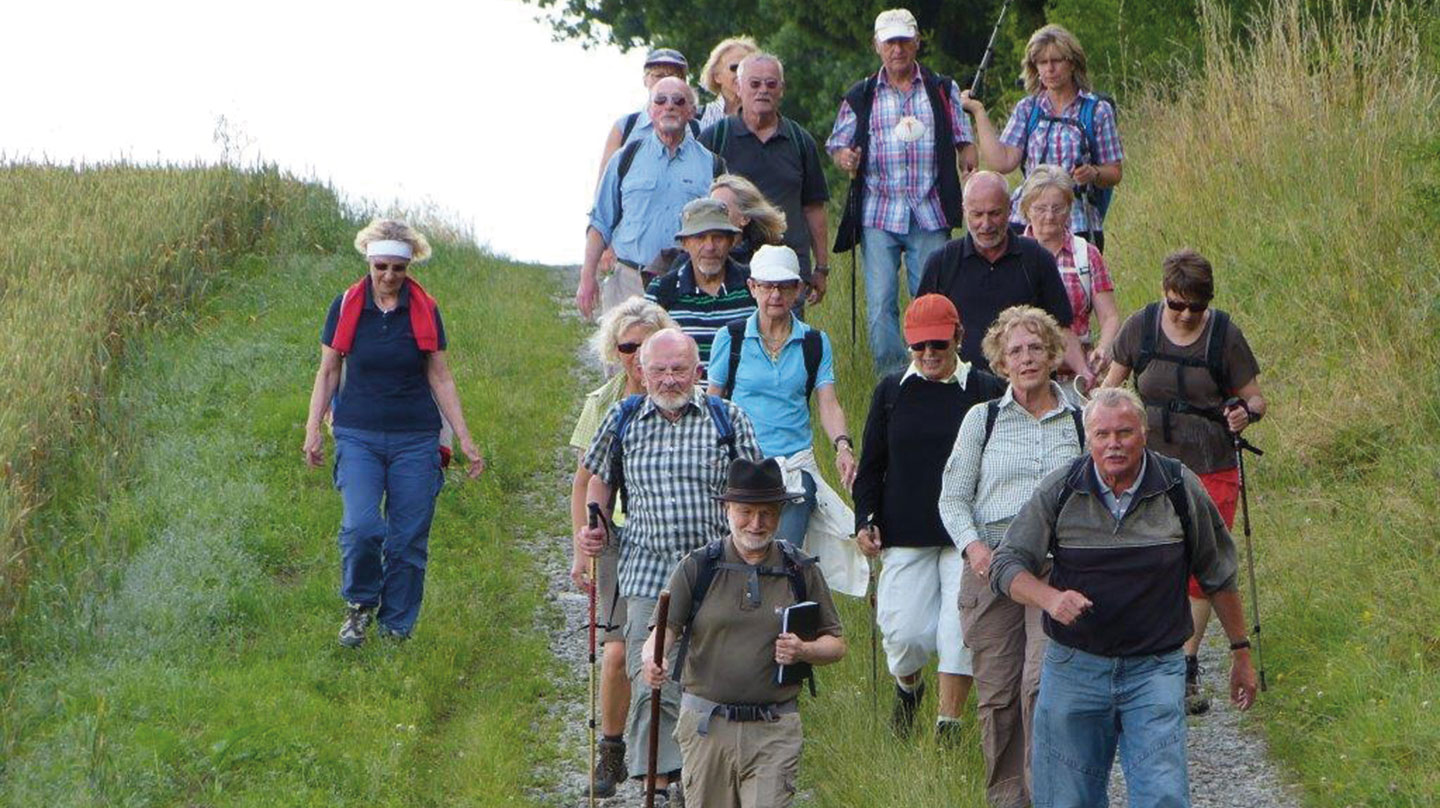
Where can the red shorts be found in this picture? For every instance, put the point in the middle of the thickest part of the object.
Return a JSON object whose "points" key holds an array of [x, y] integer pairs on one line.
{"points": [[1224, 488]]}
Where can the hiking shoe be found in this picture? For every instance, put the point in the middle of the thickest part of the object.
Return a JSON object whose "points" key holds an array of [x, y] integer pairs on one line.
{"points": [[662, 799], [902, 719], [1196, 703], [677, 793], [609, 767], [392, 635], [948, 734], [357, 619]]}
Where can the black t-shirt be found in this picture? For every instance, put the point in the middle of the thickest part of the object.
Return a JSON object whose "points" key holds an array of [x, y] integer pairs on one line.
{"points": [[1025, 275], [788, 172]]}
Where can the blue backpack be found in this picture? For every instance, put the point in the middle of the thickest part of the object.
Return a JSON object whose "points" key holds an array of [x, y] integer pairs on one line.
{"points": [[1098, 197], [630, 405]]}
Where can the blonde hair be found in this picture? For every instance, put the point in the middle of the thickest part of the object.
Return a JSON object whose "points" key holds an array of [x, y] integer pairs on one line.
{"points": [[393, 230], [767, 222], [707, 73], [1041, 179], [630, 313], [1069, 49], [1035, 321]]}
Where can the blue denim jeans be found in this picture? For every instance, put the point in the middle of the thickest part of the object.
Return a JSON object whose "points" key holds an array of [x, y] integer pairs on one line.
{"points": [[795, 516], [881, 251], [1089, 705], [387, 482]]}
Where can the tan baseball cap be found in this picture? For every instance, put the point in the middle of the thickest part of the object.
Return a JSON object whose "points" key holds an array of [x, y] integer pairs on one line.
{"points": [[896, 23]]}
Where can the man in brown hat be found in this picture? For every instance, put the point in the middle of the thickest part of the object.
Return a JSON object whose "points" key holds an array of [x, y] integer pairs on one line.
{"points": [[739, 728]]}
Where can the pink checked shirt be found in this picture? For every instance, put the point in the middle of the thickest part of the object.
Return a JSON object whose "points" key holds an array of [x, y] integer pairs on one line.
{"points": [[1062, 144], [1080, 303], [900, 176]]}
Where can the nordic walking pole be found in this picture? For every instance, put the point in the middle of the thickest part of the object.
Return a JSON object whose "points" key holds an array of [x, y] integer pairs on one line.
{"points": [[989, 52], [595, 521], [874, 656], [853, 215], [1241, 445], [662, 614]]}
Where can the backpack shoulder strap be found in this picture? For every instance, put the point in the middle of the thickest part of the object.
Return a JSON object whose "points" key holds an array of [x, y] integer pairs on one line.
{"points": [[1176, 492], [722, 133], [1066, 490], [1215, 350], [708, 559], [630, 121], [694, 128], [627, 157], [797, 139], [1149, 328], [795, 565], [992, 412], [737, 339], [628, 407], [717, 165], [1031, 121], [1087, 125], [813, 350], [720, 416], [1078, 416]]}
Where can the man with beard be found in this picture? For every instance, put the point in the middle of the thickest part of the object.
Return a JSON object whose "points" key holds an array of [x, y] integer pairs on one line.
{"points": [[668, 452], [739, 727], [990, 269], [644, 187], [706, 288]]}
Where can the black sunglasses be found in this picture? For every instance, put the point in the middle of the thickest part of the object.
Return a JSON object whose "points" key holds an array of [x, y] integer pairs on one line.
{"points": [[1180, 305], [735, 67], [932, 344], [381, 266], [675, 100], [628, 347]]}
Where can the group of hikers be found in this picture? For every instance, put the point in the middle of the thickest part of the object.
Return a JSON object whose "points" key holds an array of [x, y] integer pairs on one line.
{"points": [[1056, 541]]}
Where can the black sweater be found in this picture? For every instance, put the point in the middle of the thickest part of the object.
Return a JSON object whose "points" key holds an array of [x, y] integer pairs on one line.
{"points": [[908, 437]]}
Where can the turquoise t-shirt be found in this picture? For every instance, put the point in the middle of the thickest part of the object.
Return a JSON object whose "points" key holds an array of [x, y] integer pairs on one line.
{"points": [[772, 391]]}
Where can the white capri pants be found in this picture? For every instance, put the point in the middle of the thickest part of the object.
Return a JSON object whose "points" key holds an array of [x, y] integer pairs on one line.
{"points": [[917, 606]]}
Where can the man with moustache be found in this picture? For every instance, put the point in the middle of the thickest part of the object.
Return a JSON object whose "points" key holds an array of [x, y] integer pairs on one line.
{"points": [[672, 454], [781, 158], [644, 187], [706, 288], [739, 729], [990, 269], [1125, 526]]}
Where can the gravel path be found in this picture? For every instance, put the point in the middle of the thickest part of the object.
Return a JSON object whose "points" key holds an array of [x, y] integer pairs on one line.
{"points": [[1229, 764]]}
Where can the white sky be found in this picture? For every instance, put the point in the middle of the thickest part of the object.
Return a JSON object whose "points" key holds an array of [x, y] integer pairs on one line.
{"points": [[465, 106]]}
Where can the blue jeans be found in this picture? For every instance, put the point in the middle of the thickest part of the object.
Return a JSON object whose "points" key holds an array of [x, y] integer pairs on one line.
{"points": [[383, 550], [881, 251], [795, 516], [1090, 704]]}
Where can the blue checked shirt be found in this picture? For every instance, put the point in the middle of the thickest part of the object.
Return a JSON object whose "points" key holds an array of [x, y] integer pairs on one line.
{"points": [[1062, 144], [672, 473], [655, 188]]}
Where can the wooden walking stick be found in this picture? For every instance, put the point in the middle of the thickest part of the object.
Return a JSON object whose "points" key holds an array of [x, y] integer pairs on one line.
{"points": [[662, 614], [594, 585]]}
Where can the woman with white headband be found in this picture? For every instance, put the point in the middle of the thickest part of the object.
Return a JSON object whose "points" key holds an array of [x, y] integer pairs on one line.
{"points": [[387, 336]]}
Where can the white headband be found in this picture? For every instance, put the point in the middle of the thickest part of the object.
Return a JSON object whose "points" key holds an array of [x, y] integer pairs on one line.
{"points": [[399, 249]]}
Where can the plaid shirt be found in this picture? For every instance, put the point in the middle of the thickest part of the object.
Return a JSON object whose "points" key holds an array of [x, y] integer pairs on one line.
{"points": [[900, 176], [1081, 304], [1062, 144], [672, 473], [981, 491]]}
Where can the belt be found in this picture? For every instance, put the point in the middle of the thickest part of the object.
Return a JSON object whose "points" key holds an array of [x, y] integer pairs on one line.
{"points": [[630, 264], [734, 712]]}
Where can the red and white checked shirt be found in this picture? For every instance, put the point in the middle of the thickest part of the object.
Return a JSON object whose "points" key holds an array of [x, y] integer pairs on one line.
{"points": [[899, 176], [1062, 144], [1080, 303]]}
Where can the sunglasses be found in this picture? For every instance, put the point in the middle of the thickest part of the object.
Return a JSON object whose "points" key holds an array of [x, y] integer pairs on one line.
{"points": [[769, 84], [675, 100], [381, 266], [628, 347], [932, 344], [1180, 305], [734, 67]]}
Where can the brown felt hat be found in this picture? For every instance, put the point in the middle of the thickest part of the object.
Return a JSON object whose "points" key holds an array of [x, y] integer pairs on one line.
{"points": [[748, 481]]}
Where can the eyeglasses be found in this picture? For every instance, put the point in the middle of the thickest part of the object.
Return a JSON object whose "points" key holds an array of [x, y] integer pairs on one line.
{"points": [[1048, 210], [628, 347], [939, 345], [381, 266], [769, 84], [766, 287], [734, 67], [675, 100], [1180, 305], [1021, 350]]}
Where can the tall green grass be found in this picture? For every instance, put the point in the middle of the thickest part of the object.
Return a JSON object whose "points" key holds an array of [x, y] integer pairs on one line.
{"points": [[93, 256], [1304, 161]]}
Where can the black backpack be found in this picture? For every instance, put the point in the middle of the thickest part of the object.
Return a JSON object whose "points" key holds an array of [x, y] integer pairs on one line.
{"points": [[1213, 361], [793, 565], [810, 346], [992, 411]]}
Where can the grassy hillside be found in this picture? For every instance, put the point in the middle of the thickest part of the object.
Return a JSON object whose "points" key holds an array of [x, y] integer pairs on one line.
{"points": [[175, 645], [1307, 167]]}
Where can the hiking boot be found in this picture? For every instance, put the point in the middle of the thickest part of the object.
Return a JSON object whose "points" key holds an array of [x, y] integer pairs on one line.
{"points": [[609, 767], [662, 799], [677, 793], [1196, 703], [902, 719], [948, 734], [357, 619]]}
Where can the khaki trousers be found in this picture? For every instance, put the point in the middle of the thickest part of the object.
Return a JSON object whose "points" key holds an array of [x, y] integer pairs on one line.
{"points": [[667, 756], [1007, 643], [740, 764]]}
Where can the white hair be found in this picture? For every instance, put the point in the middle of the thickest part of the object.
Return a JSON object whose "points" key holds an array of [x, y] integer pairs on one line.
{"points": [[1113, 398], [665, 335], [761, 56]]}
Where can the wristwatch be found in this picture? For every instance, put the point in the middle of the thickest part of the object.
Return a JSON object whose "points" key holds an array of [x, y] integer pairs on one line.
{"points": [[846, 440], [821, 270]]}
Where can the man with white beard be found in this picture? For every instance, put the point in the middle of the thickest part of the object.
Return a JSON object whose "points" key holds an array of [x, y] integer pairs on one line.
{"points": [[668, 451]]}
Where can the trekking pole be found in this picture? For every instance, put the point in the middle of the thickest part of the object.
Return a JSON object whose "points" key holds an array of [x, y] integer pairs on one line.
{"points": [[853, 215], [1241, 446], [874, 654], [989, 52], [594, 585], [662, 614]]}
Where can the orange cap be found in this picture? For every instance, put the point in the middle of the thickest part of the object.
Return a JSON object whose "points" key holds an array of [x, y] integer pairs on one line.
{"points": [[930, 317]]}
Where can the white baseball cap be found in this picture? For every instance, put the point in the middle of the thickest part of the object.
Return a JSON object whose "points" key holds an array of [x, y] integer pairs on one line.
{"points": [[775, 264], [896, 23]]}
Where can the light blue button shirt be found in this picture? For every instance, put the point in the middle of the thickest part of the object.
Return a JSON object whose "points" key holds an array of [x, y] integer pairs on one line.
{"points": [[772, 391], [1117, 503], [655, 188]]}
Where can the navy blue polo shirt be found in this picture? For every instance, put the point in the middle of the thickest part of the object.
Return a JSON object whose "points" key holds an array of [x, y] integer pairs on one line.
{"points": [[386, 389]]}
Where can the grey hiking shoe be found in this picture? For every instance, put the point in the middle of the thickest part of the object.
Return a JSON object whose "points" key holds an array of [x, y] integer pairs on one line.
{"points": [[1196, 703], [902, 718], [609, 768], [357, 619]]}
